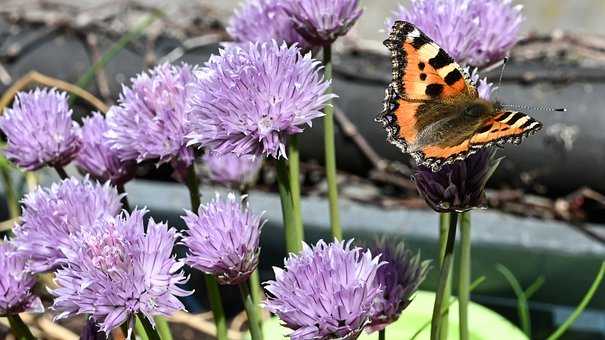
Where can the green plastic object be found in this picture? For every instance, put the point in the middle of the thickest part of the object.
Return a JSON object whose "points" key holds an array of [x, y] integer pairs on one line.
{"points": [[484, 323]]}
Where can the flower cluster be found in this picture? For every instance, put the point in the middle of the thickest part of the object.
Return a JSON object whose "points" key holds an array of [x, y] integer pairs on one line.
{"points": [[326, 291], [96, 157], [150, 123], [51, 215], [399, 278], [322, 21], [250, 97], [472, 32], [263, 20], [16, 283], [39, 130], [457, 187], [232, 170], [223, 240], [117, 270]]}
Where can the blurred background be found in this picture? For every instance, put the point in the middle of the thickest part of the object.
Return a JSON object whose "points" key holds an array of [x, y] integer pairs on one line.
{"points": [[546, 220]]}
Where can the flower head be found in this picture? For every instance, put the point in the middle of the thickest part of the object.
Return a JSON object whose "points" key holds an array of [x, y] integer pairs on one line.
{"points": [[39, 130], [261, 21], [459, 186], [484, 88], [51, 215], [249, 98], [223, 240], [117, 269], [149, 123], [400, 277], [472, 32], [232, 170], [96, 157], [326, 291], [321, 22], [16, 283]]}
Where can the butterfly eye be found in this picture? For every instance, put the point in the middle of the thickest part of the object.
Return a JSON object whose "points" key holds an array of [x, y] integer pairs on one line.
{"points": [[474, 111]]}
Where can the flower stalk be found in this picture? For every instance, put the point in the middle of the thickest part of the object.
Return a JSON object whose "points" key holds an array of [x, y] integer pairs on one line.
{"points": [[9, 190], [444, 278], [464, 278], [19, 328], [214, 294], [330, 149], [254, 318], [293, 241], [61, 172], [294, 177], [151, 333]]}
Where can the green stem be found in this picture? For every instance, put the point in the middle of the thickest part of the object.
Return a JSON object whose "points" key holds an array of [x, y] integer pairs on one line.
{"points": [[214, 294], [257, 293], [163, 328], [151, 333], [252, 312], [464, 279], [294, 176], [193, 184], [585, 301], [122, 191], [444, 277], [293, 243], [9, 191], [89, 75], [382, 334], [140, 329], [330, 150], [61, 172], [444, 223], [19, 328]]}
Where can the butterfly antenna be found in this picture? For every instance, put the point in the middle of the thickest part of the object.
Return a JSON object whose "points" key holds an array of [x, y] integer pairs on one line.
{"points": [[534, 108], [504, 61]]}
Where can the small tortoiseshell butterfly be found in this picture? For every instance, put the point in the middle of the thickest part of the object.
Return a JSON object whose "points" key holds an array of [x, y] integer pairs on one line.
{"points": [[433, 111]]}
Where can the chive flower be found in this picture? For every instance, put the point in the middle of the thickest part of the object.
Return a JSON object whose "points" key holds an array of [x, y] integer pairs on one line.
{"points": [[223, 239], [96, 156], [149, 123], [120, 268], [250, 97], [51, 215], [325, 292], [399, 278], [16, 283], [321, 22], [231, 170], [472, 32], [459, 186], [39, 130]]}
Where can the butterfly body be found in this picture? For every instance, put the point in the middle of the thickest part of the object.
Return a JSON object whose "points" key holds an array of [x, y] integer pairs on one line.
{"points": [[433, 111]]}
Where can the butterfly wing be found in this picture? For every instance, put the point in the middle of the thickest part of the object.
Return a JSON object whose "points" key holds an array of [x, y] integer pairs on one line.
{"points": [[422, 71], [504, 127]]}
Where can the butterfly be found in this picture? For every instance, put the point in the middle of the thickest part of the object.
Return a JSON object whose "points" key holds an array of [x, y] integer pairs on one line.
{"points": [[432, 110]]}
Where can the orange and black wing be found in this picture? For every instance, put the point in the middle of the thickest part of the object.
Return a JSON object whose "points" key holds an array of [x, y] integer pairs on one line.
{"points": [[505, 127], [422, 71]]}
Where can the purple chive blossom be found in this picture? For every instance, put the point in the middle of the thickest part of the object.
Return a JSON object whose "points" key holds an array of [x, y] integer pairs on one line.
{"points": [[249, 98], [472, 32], [459, 186], [117, 269], [149, 122], [326, 291], [400, 277], [322, 21], [39, 130], [96, 157], [223, 240], [263, 20], [484, 88], [16, 283], [51, 215], [231, 170]]}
